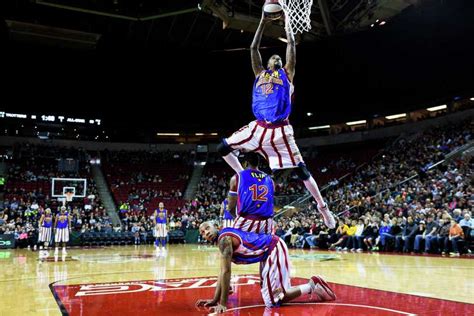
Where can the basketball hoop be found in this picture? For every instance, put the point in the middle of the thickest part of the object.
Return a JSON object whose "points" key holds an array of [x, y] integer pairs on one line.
{"points": [[297, 15], [69, 196]]}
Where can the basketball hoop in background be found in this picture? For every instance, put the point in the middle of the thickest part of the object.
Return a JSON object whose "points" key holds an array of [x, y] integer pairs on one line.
{"points": [[69, 196], [67, 189], [297, 15]]}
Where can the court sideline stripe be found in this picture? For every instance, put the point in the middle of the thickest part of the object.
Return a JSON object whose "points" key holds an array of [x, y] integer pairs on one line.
{"points": [[62, 308]]}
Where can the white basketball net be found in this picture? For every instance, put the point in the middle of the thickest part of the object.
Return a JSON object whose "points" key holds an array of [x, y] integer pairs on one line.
{"points": [[298, 14]]}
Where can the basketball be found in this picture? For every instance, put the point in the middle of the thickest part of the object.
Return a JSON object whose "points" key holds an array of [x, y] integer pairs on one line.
{"points": [[272, 9]]}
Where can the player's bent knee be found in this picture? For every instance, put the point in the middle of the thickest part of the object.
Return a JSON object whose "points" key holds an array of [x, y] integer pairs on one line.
{"points": [[224, 149], [302, 172]]}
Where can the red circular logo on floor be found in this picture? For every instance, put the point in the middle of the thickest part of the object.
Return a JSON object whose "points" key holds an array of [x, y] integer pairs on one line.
{"points": [[178, 297]]}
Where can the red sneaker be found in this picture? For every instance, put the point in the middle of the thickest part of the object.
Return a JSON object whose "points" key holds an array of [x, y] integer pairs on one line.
{"points": [[321, 289]]}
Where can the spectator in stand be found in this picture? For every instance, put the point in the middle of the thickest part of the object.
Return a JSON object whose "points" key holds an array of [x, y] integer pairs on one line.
{"points": [[443, 234], [372, 233], [384, 229], [408, 236], [420, 231], [143, 233], [455, 234], [389, 236], [428, 233], [351, 231], [358, 237], [467, 224], [340, 234], [457, 215], [136, 233]]}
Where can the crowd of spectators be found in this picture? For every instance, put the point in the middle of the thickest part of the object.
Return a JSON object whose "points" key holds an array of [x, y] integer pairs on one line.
{"points": [[431, 212], [395, 202], [28, 192]]}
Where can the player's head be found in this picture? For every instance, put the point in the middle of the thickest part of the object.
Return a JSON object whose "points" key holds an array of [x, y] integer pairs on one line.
{"points": [[47, 211], [161, 205], [252, 160], [208, 231], [63, 209], [275, 63]]}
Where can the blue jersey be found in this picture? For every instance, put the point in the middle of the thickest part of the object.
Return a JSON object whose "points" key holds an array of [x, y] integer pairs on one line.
{"points": [[271, 100], [227, 214], [253, 247], [161, 216], [47, 221], [255, 194], [63, 221]]}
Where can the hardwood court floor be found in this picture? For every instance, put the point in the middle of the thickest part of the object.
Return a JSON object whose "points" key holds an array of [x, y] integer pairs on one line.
{"points": [[28, 284]]}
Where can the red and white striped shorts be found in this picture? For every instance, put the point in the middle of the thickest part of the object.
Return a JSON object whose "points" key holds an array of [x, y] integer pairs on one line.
{"points": [[275, 142], [61, 235], [264, 226], [275, 274], [44, 234], [160, 230]]}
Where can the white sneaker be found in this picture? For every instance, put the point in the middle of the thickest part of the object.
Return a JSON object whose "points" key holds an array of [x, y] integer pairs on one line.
{"points": [[328, 217]]}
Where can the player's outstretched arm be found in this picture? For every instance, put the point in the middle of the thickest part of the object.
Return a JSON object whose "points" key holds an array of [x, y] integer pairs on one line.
{"points": [[232, 196], [256, 58], [221, 212], [290, 52], [219, 302], [225, 247]]}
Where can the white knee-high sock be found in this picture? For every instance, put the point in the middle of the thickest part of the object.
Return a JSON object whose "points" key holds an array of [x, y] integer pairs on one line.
{"points": [[305, 288], [233, 162], [312, 187]]}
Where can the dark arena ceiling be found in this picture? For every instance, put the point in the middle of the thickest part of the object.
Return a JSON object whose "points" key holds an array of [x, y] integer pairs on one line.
{"points": [[187, 61]]}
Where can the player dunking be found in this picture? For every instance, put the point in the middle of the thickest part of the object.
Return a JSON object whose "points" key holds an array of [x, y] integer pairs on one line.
{"points": [[45, 227], [272, 254], [251, 192], [226, 217], [271, 134], [160, 226], [62, 227]]}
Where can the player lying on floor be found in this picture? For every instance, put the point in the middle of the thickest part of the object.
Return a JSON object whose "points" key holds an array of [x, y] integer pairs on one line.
{"points": [[271, 251]]}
